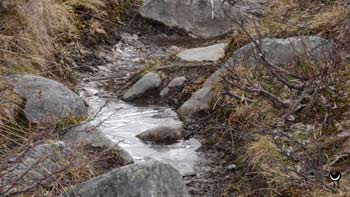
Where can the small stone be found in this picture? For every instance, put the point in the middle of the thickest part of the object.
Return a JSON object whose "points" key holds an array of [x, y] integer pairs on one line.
{"points": [[291, 118], [232, 167], [343, 134], [147, 82], [175, 49], [176, 82], [162, 134], [164, 92]]}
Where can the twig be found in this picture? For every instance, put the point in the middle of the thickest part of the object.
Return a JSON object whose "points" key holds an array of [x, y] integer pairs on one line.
{"points": [[184, 66]]}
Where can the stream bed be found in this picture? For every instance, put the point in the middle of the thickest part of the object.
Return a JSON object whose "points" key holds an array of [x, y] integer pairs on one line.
{"points": [[121, 121]]}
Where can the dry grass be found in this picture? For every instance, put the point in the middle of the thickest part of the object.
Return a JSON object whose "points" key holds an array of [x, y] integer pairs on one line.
{"points": [[31, 34], [285, 18], [272, 164], [68, 169], [38, 36], [45, 37], [264, 159]]}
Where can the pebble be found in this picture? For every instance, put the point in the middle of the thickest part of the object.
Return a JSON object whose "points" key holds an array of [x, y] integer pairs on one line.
{"points": [[231, 167]]}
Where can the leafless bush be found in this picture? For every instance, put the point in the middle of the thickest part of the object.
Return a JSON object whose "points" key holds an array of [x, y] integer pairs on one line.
{"points": [[29, 166], [315, 95], [303, 88]]}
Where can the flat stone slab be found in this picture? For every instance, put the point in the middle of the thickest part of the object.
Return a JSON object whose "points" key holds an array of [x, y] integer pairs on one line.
{"points": [[176, 82], [209, 53]]}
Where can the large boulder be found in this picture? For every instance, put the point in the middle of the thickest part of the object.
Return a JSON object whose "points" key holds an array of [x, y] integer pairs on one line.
{"points": [[284, 51], [209, 53], [144, 179], [164, 134], [38, 164], [147, 82], [97, 139], [203, 18], [46, 101], [278, 51]]}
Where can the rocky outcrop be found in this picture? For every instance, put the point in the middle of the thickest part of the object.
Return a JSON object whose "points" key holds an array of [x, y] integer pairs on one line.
{"points": [[99, 140], [164, 134], [209, 53], [38, 164], [147, 82], [203, 18], [284, 51], [145, 179], [46, 101], [176, 82], [278, 51]]}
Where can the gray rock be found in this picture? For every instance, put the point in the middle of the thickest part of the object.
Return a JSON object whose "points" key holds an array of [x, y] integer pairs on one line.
{"points": [[343, 134], [96, 139], [144, 179], [38, 163], [163, 134], [200, 100], [209, 53], [284, 51], [46, 101], [147, 82], [203, 18], [164, 92], [253, 7], [176, 82], [232, 167], [278, 51]]}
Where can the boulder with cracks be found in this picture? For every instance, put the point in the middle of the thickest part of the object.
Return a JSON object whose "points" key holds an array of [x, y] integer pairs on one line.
{"points": [[202, 18], [280, 52], [47, 102], [146, 179]]}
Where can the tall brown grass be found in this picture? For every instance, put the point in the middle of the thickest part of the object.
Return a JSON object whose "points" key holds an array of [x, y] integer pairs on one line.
{"points": [[42, 37]]}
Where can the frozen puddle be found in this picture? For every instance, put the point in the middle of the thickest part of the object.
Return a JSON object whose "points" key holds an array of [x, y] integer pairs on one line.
{"points": [[121, 122]]}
